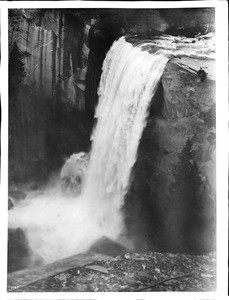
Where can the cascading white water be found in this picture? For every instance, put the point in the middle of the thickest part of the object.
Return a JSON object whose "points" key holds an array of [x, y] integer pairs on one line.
{"points": [[129, 79], [57, 225]]}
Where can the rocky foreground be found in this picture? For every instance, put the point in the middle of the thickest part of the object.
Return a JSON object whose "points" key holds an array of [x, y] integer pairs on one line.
{"points": [[130, 272]]}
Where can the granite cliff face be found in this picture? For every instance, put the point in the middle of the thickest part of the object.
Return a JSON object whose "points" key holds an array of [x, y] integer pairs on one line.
{"points": [[157, 198]]}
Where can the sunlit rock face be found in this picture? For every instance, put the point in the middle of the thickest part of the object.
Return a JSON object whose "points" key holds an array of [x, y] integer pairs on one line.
{"points": [[189, 110], [184, 93]]}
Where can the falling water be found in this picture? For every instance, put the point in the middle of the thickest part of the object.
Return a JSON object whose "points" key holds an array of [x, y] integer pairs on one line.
{"points": [[57, 225], [129, 80]]}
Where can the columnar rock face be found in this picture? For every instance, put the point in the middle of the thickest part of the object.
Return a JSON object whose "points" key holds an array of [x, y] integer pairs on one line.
{"points": [[47, 107], [55, 56]]}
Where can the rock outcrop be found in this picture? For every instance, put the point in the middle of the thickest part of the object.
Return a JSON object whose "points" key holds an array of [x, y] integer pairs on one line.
{"points": [[156, 211]]}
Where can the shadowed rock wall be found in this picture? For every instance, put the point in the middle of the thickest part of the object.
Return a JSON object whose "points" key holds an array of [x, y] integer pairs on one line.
{"points": [[47, 106], [52, 45]]}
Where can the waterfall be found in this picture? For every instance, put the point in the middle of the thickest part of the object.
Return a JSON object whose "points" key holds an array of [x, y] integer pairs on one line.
{"points": [[57, 225], [129, 80]]}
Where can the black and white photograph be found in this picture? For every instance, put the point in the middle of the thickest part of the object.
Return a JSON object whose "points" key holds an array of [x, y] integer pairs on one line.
{"points": [[112, 150]]}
